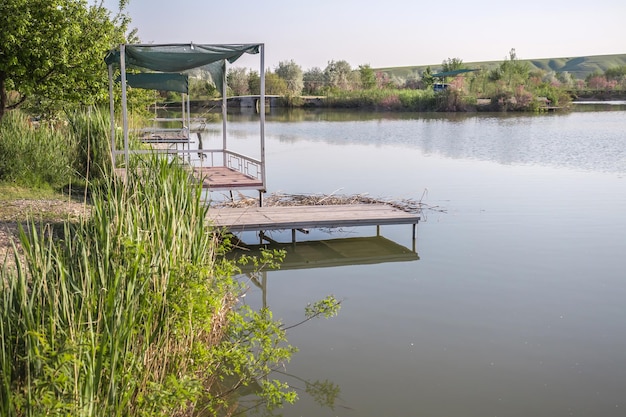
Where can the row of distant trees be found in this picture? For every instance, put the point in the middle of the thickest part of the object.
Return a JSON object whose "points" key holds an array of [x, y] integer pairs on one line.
{"points": [[289, 79]]}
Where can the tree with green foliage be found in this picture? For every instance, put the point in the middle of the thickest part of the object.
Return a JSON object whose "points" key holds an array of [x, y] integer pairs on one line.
{"points": [[616, 76], [511, 71], [53, 51], [314, 80], [427, 78], [565, 78], [275, 85], [254, 82], [615, 73], [292, 74], [338, 75], [367, 77], [202, 88], [237, 80], [452, 64]]}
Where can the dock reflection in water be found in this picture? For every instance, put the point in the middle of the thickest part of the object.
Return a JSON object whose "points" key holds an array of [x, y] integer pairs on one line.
{"points": [[309, 255], [333, 252]]}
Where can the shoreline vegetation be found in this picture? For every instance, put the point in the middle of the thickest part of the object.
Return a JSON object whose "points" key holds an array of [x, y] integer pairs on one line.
{"points": [[510, 85], [360, 101], [116, 298]]}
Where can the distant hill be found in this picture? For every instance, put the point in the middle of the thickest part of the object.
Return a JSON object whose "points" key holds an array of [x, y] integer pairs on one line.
{"points": [[578, 67]]}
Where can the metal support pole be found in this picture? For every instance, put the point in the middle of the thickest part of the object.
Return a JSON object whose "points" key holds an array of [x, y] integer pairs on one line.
{"points": [[189, 127], [112, 114], [224, 110], [124, 104], [262, 111]]}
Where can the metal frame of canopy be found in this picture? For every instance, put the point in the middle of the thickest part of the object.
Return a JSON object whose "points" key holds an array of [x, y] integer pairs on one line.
{"points": [[242, 163], [164, 82]]}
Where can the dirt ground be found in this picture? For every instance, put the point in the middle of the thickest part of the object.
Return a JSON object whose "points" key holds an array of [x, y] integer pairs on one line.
{"points": [[14, 212]]}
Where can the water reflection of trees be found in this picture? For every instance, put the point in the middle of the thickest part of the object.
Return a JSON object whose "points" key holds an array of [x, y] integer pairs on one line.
{"points": [[324, 393], [247, 400]]}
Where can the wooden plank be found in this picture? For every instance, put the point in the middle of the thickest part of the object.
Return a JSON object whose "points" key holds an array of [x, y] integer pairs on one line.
{"points": [[225, 178], [314, 217]]}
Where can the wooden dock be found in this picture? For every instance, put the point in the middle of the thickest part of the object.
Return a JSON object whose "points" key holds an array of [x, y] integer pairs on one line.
{"points": [[309, 217]]}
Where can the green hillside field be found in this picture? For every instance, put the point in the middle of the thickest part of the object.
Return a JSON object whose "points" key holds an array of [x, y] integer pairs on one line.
{"points": [[578, 67]]}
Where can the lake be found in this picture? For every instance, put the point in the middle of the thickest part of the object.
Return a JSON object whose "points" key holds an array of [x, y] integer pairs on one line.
{"points": [[517, 303]]}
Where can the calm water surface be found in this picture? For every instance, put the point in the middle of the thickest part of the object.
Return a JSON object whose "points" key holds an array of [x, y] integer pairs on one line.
{"points": [[517, 304]]}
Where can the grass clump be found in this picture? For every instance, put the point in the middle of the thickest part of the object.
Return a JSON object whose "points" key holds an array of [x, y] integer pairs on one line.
{"points": [[132, 311]]}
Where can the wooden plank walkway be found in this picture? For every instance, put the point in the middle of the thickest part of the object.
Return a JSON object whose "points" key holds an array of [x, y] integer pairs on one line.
{"points": [[309, 217]]}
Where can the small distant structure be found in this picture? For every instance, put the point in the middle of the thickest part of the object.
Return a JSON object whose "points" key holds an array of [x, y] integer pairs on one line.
{"points": [[438, 87], [442, 86]]}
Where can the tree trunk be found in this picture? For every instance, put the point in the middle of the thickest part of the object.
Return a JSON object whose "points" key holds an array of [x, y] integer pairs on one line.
{"points": [[3, 94]]}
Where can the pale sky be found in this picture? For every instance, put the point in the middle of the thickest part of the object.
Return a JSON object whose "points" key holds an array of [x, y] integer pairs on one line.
{"points": [[388, 33]]}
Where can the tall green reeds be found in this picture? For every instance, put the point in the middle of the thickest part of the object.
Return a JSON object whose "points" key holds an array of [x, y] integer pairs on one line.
{"points": [[44, 154], [130, 311], [33, 155], [89, 129]]}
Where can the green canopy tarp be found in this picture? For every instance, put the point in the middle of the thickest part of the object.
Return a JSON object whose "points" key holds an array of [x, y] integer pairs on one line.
{"points": [[162, 81], [182, 57]]}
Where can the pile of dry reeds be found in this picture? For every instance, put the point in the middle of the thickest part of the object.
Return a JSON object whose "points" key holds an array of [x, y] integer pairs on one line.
{"points": [[284, 199]]}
